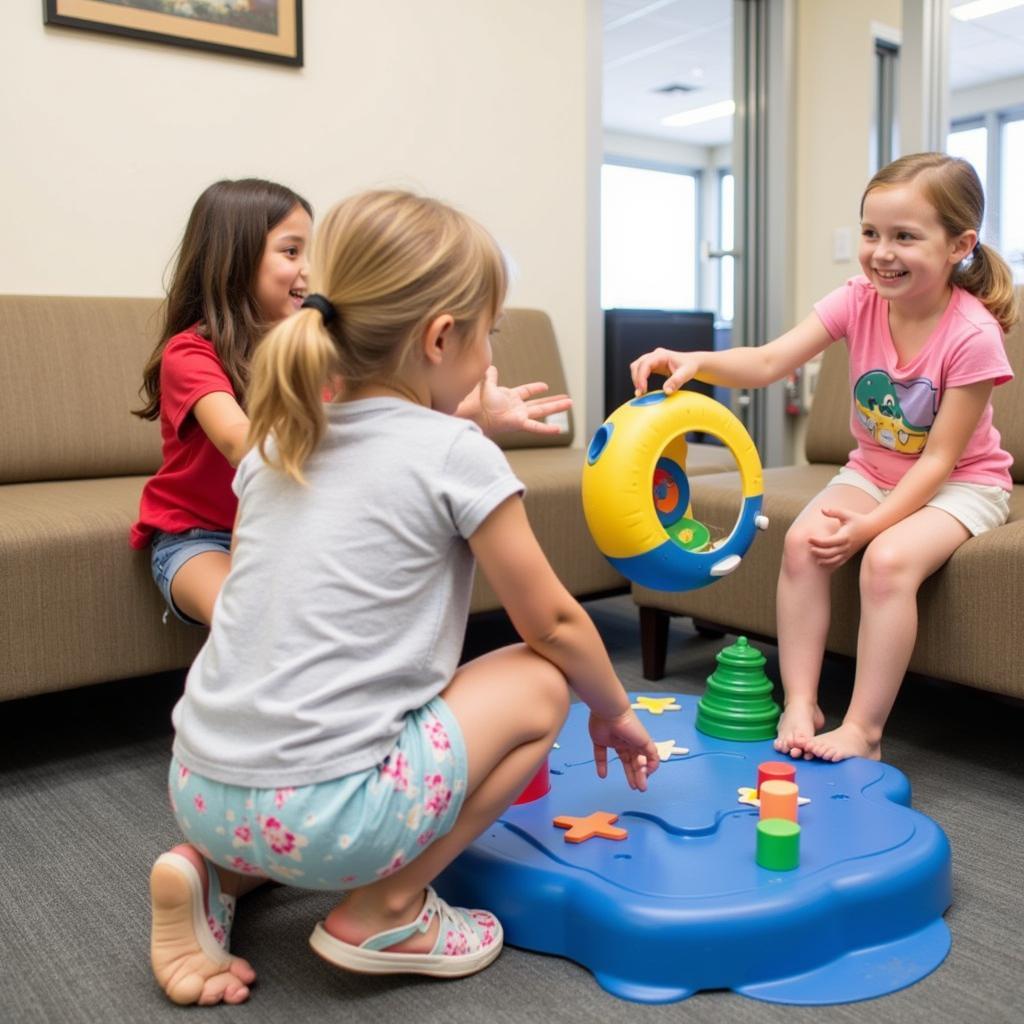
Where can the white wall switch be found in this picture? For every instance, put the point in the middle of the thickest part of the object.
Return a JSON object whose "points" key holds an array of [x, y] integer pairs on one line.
{"points": [[842, 245]]}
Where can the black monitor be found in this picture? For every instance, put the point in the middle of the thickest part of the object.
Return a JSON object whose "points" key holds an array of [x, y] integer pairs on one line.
{"points": [[629, 333]]}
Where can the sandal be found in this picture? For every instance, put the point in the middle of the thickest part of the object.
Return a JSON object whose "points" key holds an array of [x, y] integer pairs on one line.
{"points": [[468, 940], [212, 910]]}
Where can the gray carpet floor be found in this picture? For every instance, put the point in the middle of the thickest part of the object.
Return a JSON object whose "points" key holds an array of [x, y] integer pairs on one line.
{"points": [[83, 813]]}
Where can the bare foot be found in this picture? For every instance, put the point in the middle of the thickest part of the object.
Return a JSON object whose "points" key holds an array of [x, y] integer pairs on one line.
{"points": [[797, 727], [849, 740], [351, 923], [190, 966]]}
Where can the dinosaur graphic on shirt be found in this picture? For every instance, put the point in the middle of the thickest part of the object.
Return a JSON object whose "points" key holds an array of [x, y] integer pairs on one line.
{"points": [[898, 415]]}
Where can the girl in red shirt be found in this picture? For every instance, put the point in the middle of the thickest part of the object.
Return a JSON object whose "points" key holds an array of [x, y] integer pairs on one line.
{"points": [[241, 268]]}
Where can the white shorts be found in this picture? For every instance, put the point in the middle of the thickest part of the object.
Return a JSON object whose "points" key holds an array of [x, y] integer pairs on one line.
{"points": [[979, 507]]}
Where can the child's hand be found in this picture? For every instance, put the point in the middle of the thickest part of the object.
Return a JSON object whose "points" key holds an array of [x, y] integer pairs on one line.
{"points": [[629, 739], [497, 409], [853, 533], [679, 367]]}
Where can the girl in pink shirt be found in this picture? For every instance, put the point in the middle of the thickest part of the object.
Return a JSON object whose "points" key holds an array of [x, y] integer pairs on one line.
{"points": [[924, 327]]}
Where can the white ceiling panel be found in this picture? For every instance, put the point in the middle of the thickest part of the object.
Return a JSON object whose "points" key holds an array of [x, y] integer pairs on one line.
{"points": [[987, 49], [650, 44]]}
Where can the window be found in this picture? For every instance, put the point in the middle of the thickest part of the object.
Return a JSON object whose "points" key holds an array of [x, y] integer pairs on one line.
{"points": [[884, 140], [994, 143], [1011, 202], [648, 238], [726, 240], [970, 143]]}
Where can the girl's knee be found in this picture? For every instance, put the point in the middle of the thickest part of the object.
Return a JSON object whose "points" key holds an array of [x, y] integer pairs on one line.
{"points": [[548, 692], [796, 549], [885, 571], [512, 691]]}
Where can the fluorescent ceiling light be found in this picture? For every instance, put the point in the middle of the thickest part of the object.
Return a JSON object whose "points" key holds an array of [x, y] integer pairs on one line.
{"points": [[710, 113], [982, 8]]}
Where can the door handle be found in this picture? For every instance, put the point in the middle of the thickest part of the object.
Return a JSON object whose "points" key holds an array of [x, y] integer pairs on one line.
{"points": [[707, 253]]}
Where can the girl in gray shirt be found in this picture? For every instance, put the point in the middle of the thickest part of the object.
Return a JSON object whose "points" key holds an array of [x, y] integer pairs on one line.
{"points": [[327, 737]]}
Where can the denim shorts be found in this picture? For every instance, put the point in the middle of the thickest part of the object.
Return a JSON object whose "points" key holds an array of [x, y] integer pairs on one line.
{"points": [[339, 834], [170, 551]]}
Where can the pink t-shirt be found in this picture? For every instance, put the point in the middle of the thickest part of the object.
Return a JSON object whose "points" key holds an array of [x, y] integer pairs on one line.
{"points": [[894, 406]]}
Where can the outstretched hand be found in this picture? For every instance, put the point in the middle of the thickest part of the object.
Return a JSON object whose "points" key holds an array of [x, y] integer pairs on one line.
{"points": [[629, 739], [678, 367], [839, 547], [497, 410]]}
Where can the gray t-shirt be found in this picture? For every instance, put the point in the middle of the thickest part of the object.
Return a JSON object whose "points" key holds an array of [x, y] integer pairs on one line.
{"points": [[347, 600]]}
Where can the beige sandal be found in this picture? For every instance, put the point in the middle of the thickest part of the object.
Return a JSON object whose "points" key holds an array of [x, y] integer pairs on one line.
{"points": [[467, 942]]}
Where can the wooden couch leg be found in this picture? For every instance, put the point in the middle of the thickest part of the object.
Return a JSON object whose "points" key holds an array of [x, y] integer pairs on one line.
{"points": [[653, 641]]}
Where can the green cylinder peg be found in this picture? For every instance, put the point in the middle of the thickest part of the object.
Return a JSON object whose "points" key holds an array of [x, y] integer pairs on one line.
{"points": [[778, 844]]}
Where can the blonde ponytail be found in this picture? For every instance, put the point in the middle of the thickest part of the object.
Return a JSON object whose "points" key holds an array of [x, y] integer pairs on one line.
{"points": [[988, 276], [289, 373], [389, 263]]}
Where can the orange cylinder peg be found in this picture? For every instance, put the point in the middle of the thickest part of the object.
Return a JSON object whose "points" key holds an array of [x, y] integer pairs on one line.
{"points": [[778, 799]]}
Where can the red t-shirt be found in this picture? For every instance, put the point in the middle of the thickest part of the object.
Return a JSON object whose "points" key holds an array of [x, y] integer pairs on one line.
{"points": [[192, 488]]}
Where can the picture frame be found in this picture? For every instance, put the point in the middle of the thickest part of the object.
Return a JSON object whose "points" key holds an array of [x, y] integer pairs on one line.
{"points": [[269, 30]]}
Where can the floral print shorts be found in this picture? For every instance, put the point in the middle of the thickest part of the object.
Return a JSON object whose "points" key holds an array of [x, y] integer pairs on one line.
{"points": [[339, 834]]}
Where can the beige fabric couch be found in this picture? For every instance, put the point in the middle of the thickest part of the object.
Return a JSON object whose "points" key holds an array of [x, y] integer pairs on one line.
{"points": [[971, 610], [77, 605]]}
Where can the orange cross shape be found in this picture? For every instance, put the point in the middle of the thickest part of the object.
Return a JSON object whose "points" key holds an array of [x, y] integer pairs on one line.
{"points": [[597, 824]]}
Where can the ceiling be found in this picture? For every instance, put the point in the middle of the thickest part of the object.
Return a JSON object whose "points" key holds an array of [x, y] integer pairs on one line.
{"points": [[987, 49], [650, 45]]}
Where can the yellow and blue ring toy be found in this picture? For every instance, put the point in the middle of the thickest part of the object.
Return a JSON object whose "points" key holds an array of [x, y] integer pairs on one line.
{"points": [[636, 496]]}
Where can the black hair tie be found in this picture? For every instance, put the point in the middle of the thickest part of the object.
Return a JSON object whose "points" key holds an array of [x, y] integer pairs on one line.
{"points": [[976, 251], [327, 308]]}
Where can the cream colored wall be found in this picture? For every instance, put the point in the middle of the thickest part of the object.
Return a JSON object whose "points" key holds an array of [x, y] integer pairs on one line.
{"points": [[108, 141], [835, 91], [835, 95]]}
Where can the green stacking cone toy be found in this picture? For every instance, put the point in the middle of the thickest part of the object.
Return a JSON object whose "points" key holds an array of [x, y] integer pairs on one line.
{"points": [[737, 704]]}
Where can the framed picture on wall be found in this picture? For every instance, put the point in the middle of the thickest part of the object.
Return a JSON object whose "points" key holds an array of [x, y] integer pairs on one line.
{"points": [[260, 29]]}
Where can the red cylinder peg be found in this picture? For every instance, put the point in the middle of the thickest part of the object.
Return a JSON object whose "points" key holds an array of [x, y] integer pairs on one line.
{"points": [[778, 771], [537, 787]]}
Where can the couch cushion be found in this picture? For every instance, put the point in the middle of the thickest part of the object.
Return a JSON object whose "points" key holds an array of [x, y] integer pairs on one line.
{"points": [[71, 370], [969, 610], [88, 354], [525, 350], [828, 424], [555, 508], [704, 458], [1008, 401], [77, 604]]}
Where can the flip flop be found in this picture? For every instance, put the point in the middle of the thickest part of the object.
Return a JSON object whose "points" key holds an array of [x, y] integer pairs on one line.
{"points": [[212, 910], [468, 940]]}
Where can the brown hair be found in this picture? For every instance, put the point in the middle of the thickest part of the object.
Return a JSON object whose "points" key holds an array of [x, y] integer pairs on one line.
{"points": [[952, 187], [390, 262], [214, 278]]}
